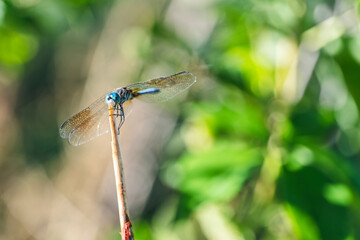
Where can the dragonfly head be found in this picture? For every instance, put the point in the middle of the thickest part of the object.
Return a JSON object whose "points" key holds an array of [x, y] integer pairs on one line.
{"points": [[112, 99]]}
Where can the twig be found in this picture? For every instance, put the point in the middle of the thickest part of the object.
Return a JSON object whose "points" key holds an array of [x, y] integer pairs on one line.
{"points": [[125, 224]]}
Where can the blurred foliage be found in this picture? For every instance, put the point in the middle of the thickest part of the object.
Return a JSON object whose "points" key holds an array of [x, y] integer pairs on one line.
{"points": [[268, 145]]}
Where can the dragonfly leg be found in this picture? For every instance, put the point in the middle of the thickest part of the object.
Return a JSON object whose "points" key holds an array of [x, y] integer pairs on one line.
{"points": [[122, 116], [116, 111]]}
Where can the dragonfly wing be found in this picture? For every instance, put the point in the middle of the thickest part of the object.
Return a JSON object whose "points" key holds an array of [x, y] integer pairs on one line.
{"points": [[168, 87], [90, 128], [91, 122], [80, 128]]}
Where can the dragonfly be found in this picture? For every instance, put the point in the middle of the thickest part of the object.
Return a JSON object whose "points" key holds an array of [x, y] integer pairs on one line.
{"points": [[92, 121]]}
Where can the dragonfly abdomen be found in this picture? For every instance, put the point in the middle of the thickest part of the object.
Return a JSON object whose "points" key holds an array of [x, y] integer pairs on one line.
{"points": [[147, 91]]}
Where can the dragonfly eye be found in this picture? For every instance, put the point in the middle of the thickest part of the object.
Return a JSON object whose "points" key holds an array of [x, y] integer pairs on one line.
{"points": [[112, 99]]}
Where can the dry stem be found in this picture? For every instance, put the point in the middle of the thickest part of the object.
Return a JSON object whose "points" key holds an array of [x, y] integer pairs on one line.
{"points": [[125, 225]]}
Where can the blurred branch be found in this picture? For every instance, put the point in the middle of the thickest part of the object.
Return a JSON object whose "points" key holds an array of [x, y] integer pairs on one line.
{"points": [[125, 224]]}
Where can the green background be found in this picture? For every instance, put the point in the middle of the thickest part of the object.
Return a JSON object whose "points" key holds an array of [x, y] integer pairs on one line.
{"points": [[265, 145]]}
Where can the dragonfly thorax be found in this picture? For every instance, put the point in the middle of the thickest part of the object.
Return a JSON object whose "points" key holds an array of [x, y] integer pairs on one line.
{"points": [[125, 94]]}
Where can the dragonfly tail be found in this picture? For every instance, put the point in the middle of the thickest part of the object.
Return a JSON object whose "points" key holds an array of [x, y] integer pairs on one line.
{"points": [[148, 91]]}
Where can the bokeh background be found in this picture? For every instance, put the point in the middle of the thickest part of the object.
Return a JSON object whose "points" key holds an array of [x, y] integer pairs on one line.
{"points": [[265, 145]]}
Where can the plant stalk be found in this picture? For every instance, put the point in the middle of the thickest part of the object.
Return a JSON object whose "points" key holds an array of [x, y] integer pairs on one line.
{"points": [[125, 224]]}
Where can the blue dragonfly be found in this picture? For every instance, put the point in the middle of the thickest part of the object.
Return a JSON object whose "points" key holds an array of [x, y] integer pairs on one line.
{"points": [[93, 120]]}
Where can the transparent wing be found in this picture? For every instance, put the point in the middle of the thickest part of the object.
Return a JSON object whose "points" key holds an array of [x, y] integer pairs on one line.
{"points": [[168, 87], [91, 122]]}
